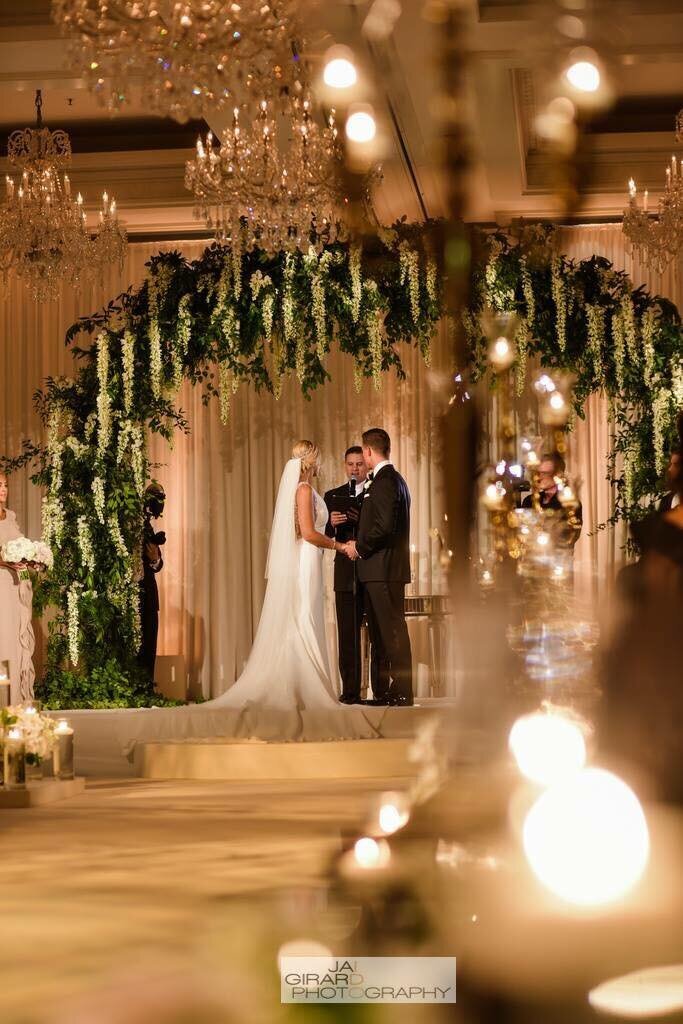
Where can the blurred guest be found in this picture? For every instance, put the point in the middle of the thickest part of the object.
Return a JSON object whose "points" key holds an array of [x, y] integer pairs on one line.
{"points": [[643, 706], [16, 600], [152, 564], [569, 520], [672, 499]]}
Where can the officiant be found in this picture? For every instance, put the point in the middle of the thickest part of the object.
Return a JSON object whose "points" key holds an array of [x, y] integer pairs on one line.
{"points": [[344, 504]]}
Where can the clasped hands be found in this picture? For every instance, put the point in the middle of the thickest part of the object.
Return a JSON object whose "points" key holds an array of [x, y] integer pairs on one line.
{"points": [[350, 550]]}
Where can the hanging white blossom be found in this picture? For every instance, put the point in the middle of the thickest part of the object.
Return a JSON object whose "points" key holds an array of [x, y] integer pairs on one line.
{"points": [[355, 262], [72, 601], [103, 400], [116, 536], [409, 267], [677, 381], [528, 291], [227, 387], [154, 335], [181, 345], [560, 299], [85, 546], [127, 368], [522, 346], [99, 498], [430, 277], [54, 451], [661, 421], [630, 329], [138, 458], [53, 521], [618, 340], [648, 332], [595, 321]]}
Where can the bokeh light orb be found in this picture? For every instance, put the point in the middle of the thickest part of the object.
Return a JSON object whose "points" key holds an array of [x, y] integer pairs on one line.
{"points": [[361, 126], [586, 838], [584, 76], [547, 747]]}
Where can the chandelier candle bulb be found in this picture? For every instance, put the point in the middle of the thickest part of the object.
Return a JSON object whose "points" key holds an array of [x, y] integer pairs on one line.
{"points": [[64, 750], [14, 760]]}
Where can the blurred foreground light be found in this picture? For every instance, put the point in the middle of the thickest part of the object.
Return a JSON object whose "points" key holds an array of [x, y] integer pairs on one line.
{"points": [[583, 75], [361, 126], [340, 71], [586, 838], [393, 812], [302, 947], [547, 747], [652, 992], [369, 853]]}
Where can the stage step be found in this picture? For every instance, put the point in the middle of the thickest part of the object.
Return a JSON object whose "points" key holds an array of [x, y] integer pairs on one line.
{"points": [[254, 759]]}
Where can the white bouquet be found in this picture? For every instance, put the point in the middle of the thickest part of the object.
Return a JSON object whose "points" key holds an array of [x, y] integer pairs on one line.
{"points": [[24, 550], [38, 730]]}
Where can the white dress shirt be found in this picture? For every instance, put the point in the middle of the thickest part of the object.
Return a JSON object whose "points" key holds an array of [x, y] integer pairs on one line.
{"points": [[379, 467]]}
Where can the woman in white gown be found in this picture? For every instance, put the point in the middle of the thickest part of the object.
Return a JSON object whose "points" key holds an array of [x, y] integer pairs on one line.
{"points": [[288, 666]]}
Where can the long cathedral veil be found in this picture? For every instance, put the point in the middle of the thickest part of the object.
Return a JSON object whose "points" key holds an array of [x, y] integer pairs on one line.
{"points": [[282, 550]]}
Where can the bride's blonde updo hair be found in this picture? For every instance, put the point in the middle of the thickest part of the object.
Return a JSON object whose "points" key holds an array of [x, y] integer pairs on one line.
{"points": [[308, 452]]}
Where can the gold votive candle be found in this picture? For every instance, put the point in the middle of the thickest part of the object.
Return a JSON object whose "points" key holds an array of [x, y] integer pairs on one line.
{"points": [[14, 759], [64, 750]]}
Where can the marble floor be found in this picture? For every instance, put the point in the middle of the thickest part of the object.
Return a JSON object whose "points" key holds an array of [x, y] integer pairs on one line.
{"points": [[142, 900]]}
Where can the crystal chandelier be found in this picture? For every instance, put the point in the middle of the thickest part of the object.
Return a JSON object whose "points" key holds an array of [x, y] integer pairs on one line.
{"points": [[275, 182], [657, 241], [188, 57], [44, 238]]}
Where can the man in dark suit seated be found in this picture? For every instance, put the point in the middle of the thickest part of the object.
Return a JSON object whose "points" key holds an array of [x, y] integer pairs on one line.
{"points": [[568, 521], [344, 506]]}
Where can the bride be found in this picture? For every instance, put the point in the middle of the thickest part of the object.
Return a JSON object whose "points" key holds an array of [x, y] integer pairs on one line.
{"points": [[288, 665]]}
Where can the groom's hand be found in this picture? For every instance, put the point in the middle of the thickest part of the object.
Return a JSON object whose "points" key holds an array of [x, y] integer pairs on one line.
{"points": [[352, 551], [337, 518]]}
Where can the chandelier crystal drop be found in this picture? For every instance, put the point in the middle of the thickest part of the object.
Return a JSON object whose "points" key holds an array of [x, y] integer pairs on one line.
{"points": [[44, 238], [658, 241], [274, 182], [188, 58]]}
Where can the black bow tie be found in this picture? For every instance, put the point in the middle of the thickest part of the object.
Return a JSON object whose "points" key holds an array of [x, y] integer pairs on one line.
{"points": [[371, 475]]}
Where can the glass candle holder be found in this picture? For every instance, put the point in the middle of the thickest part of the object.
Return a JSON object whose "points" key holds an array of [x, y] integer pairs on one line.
{"points": [[14, 760], [63, 753], [4, 685]]}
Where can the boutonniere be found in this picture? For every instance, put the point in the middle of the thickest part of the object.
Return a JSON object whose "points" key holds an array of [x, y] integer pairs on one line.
{"points": [[366, 487]]}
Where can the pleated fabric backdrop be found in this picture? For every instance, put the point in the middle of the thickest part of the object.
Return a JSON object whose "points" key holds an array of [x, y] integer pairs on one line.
{"points": [[221, 481]]}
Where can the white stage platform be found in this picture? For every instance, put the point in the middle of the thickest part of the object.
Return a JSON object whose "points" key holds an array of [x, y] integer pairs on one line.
{"points": [[109, 742]]}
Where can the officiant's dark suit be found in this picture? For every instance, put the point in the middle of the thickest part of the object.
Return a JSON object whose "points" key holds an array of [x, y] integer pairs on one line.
{"points": [[384, 569], [347, 590]]}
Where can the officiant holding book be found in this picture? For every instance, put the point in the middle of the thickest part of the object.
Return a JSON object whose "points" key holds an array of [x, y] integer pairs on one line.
{"points": [[344, 505]]}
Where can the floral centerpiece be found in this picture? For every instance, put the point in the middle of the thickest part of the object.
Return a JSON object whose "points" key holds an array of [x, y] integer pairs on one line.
{"points": [[22, 550], [37, 728]]}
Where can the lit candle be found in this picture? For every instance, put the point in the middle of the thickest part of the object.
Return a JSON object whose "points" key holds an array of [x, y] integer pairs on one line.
{"points": [[112, 208], [64, 750], [105, 202], [67, 185], [632, 188], [645, 201], [674, 166], [14, 759]]}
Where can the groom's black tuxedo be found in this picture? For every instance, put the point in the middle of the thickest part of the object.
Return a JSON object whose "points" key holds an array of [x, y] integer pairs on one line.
{"points": [[384, 569]]}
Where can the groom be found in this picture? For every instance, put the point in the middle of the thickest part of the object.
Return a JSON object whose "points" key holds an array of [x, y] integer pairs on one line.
{"points": [[383, 553]]}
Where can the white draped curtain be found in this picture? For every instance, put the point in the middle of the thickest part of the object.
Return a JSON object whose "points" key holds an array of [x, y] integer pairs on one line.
{"points": [[221, 481]]}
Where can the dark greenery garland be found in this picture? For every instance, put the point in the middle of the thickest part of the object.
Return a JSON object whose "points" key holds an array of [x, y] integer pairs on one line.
{"points": [[229, 319]]}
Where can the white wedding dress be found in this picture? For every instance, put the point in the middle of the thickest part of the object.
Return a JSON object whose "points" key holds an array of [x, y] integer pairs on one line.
{"points": [[288, 668]]}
